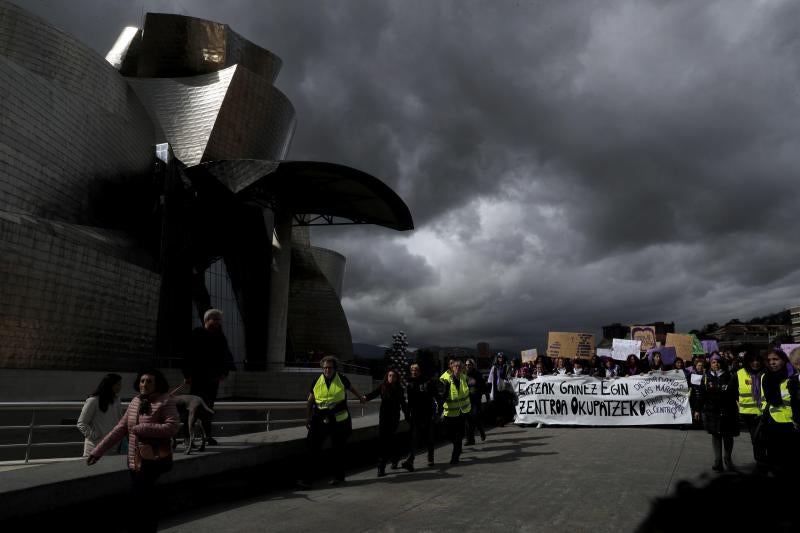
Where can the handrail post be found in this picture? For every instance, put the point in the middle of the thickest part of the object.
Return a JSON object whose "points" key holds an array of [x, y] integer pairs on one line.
{"points": [[268, 413], [30, 437]]}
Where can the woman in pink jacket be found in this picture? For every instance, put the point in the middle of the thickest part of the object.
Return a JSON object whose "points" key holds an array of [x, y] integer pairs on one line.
{"points": [[150, 422]]}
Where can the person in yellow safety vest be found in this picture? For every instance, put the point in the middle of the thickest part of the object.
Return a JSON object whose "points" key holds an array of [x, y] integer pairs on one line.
{"points": [[780, 433], [748, 382], [327, 416], [456, 406]]}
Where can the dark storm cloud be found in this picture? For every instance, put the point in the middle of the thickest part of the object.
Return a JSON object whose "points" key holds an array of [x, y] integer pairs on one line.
{"points": [[568, 164]]}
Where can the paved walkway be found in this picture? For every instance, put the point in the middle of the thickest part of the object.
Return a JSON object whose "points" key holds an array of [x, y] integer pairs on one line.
{"points": [[520, 479]]}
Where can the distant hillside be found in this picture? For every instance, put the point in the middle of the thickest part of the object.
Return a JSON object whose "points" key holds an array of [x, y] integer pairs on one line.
{"points": [[368, 351], [782, 317]]}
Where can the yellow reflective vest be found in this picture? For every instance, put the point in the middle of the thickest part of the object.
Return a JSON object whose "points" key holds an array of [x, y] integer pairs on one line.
{"points": [[331, 399], [783, 413], [747, 405], [456, 400]]}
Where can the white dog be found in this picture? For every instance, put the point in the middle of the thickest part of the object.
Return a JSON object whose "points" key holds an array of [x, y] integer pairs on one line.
{"points": [[193, 406]]}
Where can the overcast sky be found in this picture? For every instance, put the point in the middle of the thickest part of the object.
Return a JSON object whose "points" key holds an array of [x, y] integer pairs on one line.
{"points": [[568, 164]]}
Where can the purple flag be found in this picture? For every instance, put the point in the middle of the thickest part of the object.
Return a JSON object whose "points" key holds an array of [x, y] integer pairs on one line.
{"points": [[710, 346], [668, 354]]}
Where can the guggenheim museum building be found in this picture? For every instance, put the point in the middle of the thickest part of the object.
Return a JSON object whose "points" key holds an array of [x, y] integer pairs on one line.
{"points": [[140, 189]]}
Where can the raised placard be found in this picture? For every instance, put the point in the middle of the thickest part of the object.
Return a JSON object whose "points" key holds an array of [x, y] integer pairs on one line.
{"points": [[570, 345]]}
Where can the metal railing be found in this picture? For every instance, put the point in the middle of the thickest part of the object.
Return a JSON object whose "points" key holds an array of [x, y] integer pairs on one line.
{"points": [[288, 366], [267, 408]]}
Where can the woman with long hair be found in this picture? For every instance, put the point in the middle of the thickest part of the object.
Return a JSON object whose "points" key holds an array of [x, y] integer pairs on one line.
{"points": [[632, 366], [658, 362], [101, 412], [777, 426], [150, 423], [393, 401]]}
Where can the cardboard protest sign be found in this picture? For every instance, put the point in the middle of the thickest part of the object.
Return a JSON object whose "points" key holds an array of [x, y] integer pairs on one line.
{"points": [[710, 346], [570, 345], [646, 334], [668, 354], [622, 348], [529, 356], [682, 344], [658, 398], [604, 352]]}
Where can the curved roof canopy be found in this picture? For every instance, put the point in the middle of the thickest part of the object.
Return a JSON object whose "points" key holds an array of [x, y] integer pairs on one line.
{"points": [[313, 191]]}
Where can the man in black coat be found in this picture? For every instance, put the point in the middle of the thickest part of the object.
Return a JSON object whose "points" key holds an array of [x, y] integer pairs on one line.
{"points": [[422, 396], [208, 363]]}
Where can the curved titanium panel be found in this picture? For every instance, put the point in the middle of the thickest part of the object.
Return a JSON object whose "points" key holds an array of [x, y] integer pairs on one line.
{"points": [[256, 121], [331, 264], [175, 45], [185, 109], [72, 299], [63, 156], [316, 319], [311, 187], [54, 55]]}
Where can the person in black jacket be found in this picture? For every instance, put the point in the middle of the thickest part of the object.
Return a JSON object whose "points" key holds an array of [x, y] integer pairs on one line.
{"points": [[392, 402], [778, 427], [720, 411], [208, 363], [477, 388], [423, 406]]}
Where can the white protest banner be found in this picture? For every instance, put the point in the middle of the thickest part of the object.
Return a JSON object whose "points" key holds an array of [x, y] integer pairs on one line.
{"points": [[529, 356], [604, 352], [622, 348], [646, 399]]}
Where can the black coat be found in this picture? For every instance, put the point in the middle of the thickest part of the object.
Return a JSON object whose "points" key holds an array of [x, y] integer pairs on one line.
{"points": [[718, 396], [209, 358], [393, 401], [423, 395]]}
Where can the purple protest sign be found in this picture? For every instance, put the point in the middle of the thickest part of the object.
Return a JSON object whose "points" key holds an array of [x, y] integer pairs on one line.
{"points": [[668, 354], [710, 346]]}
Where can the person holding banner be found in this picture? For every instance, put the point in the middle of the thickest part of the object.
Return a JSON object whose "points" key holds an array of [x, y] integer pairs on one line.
{"points": [[578, 367], [658, 362], [632, 366], [612, 369], [748, 392], [696, 382], [679, 365], [500, 391], [720, 412], [560, 368], [456, 406]]}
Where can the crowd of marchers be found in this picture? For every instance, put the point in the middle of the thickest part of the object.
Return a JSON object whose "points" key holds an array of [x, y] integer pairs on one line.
{"points": [[755, 393]]}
